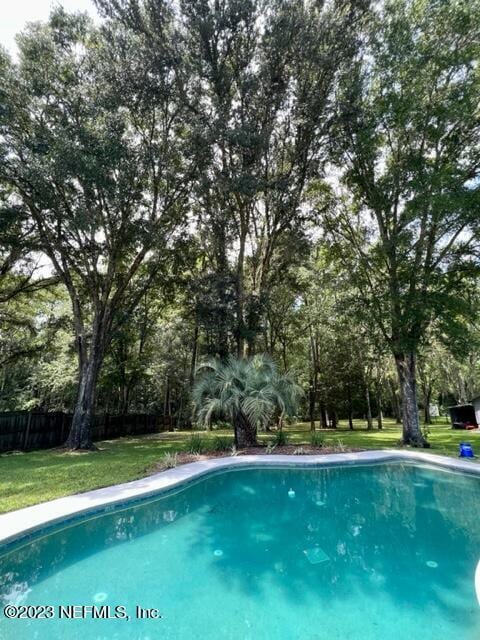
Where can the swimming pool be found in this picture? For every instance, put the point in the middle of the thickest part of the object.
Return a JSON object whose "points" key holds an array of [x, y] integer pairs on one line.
{"points": [[364, 552]]}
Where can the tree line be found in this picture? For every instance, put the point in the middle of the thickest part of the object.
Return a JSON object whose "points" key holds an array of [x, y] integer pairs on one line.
{"points": [[195, 179]]}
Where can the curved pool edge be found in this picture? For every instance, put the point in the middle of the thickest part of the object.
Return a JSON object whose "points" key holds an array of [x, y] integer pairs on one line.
{"points": [[30, 520]]}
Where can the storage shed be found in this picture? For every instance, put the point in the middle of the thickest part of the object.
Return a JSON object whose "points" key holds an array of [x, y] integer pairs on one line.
{"points": [[463, 416]]}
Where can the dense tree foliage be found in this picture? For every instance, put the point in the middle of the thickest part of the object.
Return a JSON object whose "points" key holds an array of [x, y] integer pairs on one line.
{"points": [[197, 179], [99, 171], [408, 132]]}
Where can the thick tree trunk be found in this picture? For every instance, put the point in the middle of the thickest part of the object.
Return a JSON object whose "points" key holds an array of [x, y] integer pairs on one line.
{"points": [[369, 409], [334, 419], [90, 362], [80, 436], [408, 385], [245, 433], [427, 416]]}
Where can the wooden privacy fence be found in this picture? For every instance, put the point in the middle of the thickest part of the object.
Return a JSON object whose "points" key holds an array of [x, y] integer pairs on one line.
{"points": [[24, 430]]}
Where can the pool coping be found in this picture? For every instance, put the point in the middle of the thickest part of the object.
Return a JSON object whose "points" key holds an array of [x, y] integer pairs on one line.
{"points": [[27, 521]]}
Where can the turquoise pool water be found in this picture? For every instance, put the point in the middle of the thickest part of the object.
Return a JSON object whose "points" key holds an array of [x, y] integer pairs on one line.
{"points": [[385, 552]]}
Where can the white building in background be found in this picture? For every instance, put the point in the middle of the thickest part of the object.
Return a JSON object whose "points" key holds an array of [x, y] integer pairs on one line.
{"points": [[476, 407], [434, 411]]}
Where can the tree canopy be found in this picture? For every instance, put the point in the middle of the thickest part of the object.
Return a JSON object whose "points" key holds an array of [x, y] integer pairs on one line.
{"points": [[195, 179]]}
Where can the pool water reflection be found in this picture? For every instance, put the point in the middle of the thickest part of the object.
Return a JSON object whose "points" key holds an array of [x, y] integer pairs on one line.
{"points": [[360, 552]]}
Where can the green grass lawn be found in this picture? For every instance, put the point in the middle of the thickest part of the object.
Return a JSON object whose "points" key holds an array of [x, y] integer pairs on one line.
{"points": [[29, 478]]}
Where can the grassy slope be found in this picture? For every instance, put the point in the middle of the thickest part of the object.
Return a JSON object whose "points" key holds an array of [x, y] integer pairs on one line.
{"points": [[29, 478]]}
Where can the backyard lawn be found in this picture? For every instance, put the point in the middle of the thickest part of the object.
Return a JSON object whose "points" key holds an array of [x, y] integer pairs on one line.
{"points": [[29, 478]]}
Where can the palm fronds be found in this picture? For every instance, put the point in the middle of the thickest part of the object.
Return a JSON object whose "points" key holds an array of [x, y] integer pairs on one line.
{"points": [[248, 388]]}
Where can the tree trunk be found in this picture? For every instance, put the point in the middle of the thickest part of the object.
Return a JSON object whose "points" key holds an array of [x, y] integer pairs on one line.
{"points": [[240, 294], [427, 416], [323, 416], [167, 414], [170, 416], [427, 397], [380, 417], [313, 379], [90, 362], [245, 433], [380, 409], [312, 405], [80, 436], [397, 412], [125, 399], [284, 355], [180, 412], [124, 396], [193, 361], [412, 434], [369, 409], [350, 409]]}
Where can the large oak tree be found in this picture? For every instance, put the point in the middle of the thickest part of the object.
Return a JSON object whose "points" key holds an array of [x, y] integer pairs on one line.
{"points": [[406, 226], [93, 150]]}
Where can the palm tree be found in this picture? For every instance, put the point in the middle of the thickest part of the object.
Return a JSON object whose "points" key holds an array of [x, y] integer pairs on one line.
{"points": [[247, 391]]}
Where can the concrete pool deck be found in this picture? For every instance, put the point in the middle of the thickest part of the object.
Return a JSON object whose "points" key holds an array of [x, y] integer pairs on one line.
{"points": [[26, 522]]}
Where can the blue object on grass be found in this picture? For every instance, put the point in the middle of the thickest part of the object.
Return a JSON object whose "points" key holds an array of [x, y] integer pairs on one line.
{"points": [[466, 450]]}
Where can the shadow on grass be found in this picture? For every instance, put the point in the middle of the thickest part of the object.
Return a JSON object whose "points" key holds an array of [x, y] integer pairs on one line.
{"points": [[33, 477]]}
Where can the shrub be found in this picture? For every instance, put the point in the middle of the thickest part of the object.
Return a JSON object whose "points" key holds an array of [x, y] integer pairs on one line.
{"points": [[169, 460], [195, 444], [221, 424], [221, 443], [280, 439], [316, 439]]}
